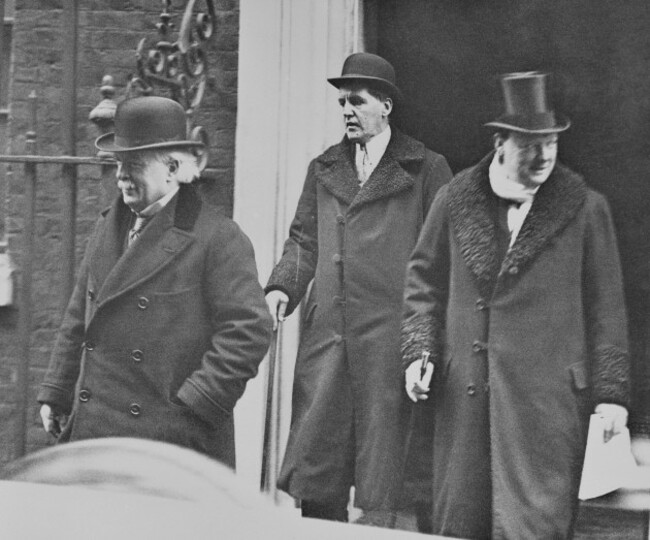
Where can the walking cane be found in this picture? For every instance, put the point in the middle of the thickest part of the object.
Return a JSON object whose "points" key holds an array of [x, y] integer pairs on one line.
{"points": [[267, 479], [411, 427]]}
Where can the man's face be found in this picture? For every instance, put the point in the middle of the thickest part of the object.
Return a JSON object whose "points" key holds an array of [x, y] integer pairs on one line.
{"points": [[142, 178], [364, 115], [528, 158]]}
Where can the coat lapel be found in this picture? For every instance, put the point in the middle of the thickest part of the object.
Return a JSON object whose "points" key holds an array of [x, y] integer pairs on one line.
{"points": [[109, 242], [164, 239], [554, 207], [473, 224], [336, 172]]}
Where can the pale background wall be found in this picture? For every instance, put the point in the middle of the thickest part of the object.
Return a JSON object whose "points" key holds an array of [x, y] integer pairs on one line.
{"points": [[287, 115]]}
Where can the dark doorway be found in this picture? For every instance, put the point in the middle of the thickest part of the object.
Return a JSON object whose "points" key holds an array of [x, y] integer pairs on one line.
{"points": [[448, 54]]}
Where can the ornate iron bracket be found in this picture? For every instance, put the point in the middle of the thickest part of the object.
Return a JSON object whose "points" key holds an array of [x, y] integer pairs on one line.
{"points": [[179, 67]]}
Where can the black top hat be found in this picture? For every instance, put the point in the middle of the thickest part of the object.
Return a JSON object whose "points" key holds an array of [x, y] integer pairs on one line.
{"points": [[146, 123], [526, 108], [371, 69]]}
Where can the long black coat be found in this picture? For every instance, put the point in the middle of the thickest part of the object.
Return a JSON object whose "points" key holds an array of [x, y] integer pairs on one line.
{"points": [[349, 407], [524, 347], [158, 342]]}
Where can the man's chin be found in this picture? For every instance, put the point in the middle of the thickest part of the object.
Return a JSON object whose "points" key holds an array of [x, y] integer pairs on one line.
{"points": [[354, 136], [539, 177], [132, 202]]}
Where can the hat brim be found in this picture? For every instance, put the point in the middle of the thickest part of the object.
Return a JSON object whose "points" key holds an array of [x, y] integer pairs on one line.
{"points": [[389, 87], [106, 143], [561, 124]]}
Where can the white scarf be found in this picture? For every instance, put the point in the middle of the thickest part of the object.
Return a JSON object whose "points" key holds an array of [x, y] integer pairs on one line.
{"points": [[505, 187]]}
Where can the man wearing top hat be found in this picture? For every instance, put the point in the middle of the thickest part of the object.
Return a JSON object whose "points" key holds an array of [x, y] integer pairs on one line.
{"points": [[363, 203], [167, 320], [514, 288]]}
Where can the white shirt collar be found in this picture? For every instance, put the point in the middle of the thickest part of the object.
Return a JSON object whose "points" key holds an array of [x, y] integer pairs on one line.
{"points": [[376, 147]]}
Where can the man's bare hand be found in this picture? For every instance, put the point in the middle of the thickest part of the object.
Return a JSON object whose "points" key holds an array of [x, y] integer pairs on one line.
{"points": [[615, 417], [277, 302], [51, 420], [416, 382]]}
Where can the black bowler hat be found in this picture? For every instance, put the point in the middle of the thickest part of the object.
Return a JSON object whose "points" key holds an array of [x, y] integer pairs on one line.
{"points": [[147, 123], [368, 68], [527, 110]]}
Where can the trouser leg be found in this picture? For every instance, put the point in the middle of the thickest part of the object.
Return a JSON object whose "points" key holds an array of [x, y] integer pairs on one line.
{"points": [[334, 510]]}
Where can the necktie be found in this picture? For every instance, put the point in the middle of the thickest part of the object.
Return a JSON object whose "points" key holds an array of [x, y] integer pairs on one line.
{"points": [[363, 164], [138, 227]]}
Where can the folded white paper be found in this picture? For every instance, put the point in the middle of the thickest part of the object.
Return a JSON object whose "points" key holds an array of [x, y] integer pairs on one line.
{"points": [[609, 465]]}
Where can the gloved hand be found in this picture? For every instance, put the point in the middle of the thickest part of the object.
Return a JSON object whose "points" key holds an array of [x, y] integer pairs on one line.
{"points": [[615, 417], [416, 382], [277, 302]]}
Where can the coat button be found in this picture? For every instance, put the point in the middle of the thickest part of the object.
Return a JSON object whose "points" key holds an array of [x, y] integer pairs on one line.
{"points": [[90, 346], [338, 339], [137, 355], [479, 346], [471, 389], [340, 219], [91, 295], [84, 395], [513, 270], [143, 302], [337, 258], [481, 304], [134, 409]]}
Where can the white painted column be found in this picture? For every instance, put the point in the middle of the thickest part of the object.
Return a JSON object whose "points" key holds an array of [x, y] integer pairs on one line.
{"points": [[287, 114]]}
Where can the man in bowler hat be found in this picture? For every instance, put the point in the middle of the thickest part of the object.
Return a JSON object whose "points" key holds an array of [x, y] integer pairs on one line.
{"points": [[167, 320], [362, 206], [514, 291]]}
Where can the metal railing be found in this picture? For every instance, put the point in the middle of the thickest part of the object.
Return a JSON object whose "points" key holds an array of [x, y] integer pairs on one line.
{"points": [[30, 162], [180, 67]]}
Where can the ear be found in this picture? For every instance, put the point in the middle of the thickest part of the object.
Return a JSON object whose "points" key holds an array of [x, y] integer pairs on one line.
{"points": [[201, 154], [388, 107], [498, 140], [172, 169]]}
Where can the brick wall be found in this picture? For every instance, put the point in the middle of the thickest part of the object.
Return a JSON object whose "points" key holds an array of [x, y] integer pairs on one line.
{"points": [[109, 31]]}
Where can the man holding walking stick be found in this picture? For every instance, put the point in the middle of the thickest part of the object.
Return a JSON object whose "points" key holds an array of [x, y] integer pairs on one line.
{"points": [[363, 203]]}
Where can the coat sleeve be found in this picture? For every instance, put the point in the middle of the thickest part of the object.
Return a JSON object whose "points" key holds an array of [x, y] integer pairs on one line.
{"points": [[427, 286], [57, 389], [606, 318], [241, 326], [437, 174], [297, 267]]}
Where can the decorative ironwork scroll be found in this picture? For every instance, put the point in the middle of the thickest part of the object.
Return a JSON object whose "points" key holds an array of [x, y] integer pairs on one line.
{"points": [[181, 65]]}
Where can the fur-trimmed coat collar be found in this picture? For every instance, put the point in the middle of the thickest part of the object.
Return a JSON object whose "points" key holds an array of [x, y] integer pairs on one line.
{"points": [[470, 200], [336, 172]]}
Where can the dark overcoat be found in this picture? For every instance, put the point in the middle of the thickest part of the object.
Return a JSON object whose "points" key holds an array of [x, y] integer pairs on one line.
{"points": [[349, 407], [159, 341], [524, 347]]}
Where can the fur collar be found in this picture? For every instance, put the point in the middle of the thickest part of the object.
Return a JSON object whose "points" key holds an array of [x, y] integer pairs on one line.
{"points": [[335, 170], [470, 199]]}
